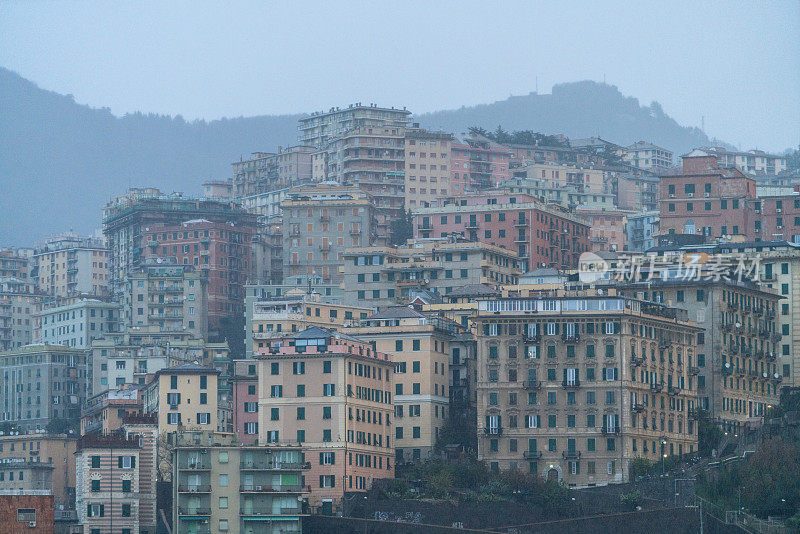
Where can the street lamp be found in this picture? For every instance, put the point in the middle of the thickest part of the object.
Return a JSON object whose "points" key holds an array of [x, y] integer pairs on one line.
{"points": [[663, 452]]}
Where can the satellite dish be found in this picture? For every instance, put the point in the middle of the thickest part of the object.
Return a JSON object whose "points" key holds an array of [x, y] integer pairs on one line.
{"points": [[600, 291], [728, 365]]}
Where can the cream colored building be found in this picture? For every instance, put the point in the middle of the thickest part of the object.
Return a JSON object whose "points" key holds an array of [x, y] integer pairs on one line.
{"points": [[427, 167], [573, 388], [419, 346], [584, 179], [185, 398], [332, 394]]}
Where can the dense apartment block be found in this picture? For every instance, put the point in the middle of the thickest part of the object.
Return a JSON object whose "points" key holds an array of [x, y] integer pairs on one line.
{"points": [[16, 263], [132, 356], [543, 235], [185, 397], [267, 171], [319, 223], [648, 156], [641, 230], [477, 164], [107, 484], [278, 316], [321, 127], [215, 237], [77, 322], [38, 461], [222, 486], [637, 191], [751, 161], [105, 411], [386, 276], [167, 295], [736, 365], [606, 228], [583, 179], [427, 166], [708, 200], [573, 388], [332, 394], [18, 304], [144, 430], [568, 196], [419, 347], [68, 265], [41, 384]]}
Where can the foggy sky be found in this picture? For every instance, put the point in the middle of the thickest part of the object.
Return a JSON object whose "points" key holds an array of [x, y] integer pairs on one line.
{"points": [[735, 63]]}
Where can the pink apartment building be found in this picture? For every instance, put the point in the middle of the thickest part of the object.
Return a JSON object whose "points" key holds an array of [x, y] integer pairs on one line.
{"points": [[477, 165], [245, 400], [543, 235]]}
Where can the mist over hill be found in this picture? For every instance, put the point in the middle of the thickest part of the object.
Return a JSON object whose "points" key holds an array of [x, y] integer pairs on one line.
{"points": [[61, 161], [578, 109]]}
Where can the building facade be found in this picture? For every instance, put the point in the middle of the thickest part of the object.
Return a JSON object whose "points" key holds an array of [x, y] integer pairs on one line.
{"points": [[332, 394], [107, 484], [38, 461], [419, 346], [41, 384], [319, 223], [168, 295], [643, 155], [427, 167], [222, 486], [77, 323], [386, 276], [266, 171], [542, 235], [68, 265], [574, 388], [214, 237], [477, 164]]}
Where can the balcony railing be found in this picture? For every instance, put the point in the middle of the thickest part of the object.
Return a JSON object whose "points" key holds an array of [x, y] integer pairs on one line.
{"points": [[194, 511], [532, 455], [261, 465], [673, 390], [574, 383], [606, 431], [200, 465], [656, 387], [202, 488], [494, 431], [532, 384], [571, 455], [570, 337], [694, 370], [637, 407], [269, 488], [636, 362]]}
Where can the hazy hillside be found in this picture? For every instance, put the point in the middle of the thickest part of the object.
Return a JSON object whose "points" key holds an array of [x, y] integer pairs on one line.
{"points": [[60, 161], [580, 109]]}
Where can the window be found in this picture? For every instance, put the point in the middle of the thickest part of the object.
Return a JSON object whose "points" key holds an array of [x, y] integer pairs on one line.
{"points": [[95, 485], [203, 418], [126, 510], [126, 462], [326, 366], [328, 390], [251, 428], [95, 462], [274, 414], [126, 486], [223, 502], [326, 412]]}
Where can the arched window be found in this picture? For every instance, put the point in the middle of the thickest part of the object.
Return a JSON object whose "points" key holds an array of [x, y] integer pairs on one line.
{"points": [[689, 227]]}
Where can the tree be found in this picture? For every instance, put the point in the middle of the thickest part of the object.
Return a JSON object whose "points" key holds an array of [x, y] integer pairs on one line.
{"points": [[478, 131], [401, 229], [232, 331], [793, 159], [771, 480], [708, 434], [61, 426]]}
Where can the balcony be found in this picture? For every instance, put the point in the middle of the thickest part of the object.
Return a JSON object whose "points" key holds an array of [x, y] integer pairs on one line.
{"points": [[325, 247], [532, 455], [776, 337], [532, 384], [268, 488], [270, 466], [693, 413], [769, 356], [571, 455], [258, 514], [636, 362], [194, 489], [673, 390], [497, 431], [471, 226], [197, 466], [694, 370], [520, 222], [727, 370], [776, 378], [656, 388], [536, 338], [606, 431], [194, 511], [324, 218], [569, 384], [637, 407], [570, 338]]}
